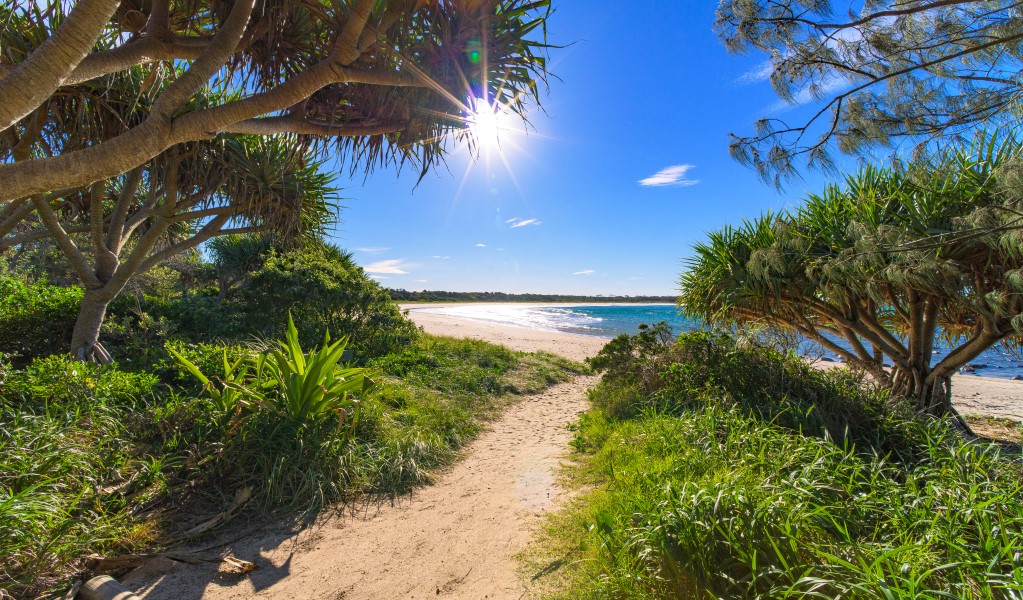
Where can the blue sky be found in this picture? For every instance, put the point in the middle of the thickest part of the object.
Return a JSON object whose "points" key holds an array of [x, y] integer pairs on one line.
{"points": [[646, 95]]}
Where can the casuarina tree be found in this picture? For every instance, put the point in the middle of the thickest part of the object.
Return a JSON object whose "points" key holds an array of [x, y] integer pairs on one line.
{"points": [[882, 72]]}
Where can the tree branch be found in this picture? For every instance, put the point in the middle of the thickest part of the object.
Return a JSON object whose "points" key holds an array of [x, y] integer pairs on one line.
{"points": [[115, 233], [66, 244], [346, 46], [209, 230], [204, 67], [297, 125], [37, 77]]}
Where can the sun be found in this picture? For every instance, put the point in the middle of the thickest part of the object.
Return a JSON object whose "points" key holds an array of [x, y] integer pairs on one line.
{"points": [[487, 122]]}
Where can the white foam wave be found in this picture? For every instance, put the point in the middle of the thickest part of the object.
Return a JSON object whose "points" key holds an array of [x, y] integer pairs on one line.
{"points": [[531, 317]]}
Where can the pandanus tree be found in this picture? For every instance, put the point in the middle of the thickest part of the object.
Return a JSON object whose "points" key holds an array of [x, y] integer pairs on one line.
{"points": [[129, 105], [376, 82], [119, 228], [880, 269]]}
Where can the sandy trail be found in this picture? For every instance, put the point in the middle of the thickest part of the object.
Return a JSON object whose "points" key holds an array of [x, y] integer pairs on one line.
{"points": [[455, 539]]}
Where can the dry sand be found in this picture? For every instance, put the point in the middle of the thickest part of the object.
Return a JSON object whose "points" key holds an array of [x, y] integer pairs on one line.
{"points": [[457, 538]]}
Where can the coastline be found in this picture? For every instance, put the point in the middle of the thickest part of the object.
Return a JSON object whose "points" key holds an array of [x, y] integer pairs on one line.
{"points": [[971, 394]]}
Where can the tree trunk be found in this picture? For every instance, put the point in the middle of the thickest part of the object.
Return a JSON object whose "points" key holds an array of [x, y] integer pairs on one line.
{"points": [[931, 398], [85, 343], [934, 398]]}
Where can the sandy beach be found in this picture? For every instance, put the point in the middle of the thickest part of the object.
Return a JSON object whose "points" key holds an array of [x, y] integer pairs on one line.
{"points": [[972, 395]]}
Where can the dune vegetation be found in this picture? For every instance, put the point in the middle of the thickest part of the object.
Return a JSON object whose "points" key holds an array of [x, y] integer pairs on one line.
{"points": [[219, 394], [713, 466]]}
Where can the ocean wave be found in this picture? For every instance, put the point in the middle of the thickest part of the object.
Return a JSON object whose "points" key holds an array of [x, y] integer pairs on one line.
{"points": [[555, 319]]}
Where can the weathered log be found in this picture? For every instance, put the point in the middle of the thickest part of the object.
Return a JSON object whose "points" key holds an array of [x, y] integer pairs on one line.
{"points": [[104, 587]]}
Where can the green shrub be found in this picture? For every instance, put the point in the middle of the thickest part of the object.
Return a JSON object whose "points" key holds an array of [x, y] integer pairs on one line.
{"points": [[724, 470], [67, 471], [702, 368], [325, 291], [83, 449], [36, 319], [716, 503], [448, 365], [61, 383]]}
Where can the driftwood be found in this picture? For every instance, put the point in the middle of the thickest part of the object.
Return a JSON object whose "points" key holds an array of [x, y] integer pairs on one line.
{"points": [[99, 564], [104, 587]]}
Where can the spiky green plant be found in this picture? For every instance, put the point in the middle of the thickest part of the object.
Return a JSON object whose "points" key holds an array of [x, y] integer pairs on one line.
{"points": [[310, 385]]}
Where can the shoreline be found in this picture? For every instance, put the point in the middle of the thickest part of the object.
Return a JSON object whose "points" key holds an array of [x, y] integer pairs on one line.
{"points": [[971, 394]]}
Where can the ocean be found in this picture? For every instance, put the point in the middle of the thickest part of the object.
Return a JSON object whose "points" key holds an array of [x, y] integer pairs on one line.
{"points": [[608, 321]]}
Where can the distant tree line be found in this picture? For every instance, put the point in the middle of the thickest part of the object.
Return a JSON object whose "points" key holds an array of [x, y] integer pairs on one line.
{"points": [[440, 296]]}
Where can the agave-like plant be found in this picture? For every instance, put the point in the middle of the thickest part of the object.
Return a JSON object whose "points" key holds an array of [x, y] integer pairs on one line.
{"points": [[310, 386], [301, 387], [231, 396]]}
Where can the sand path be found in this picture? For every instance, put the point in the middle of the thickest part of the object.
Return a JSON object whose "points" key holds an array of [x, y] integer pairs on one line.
{"points": [[455, 539]]}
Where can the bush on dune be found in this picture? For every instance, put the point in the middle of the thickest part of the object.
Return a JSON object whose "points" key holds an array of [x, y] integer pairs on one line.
{"points": [[36, 319], [732, 471]]}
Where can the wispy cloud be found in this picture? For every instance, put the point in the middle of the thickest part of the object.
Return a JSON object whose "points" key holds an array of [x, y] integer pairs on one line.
{"points": [[389, 267], [761, 72], [481, 245], [811, 94], [379, 277], [372, 250], [511, 220], [847, 43], [422, 281], [438, 257], [670, 176], [516, 222], [585, 272]]}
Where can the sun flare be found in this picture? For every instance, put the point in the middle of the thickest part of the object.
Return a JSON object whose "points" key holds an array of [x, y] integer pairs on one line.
{"points": [[488, 123]]}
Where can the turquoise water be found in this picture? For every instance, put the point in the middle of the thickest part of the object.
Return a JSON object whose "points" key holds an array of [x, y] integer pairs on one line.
{"points": [[608, 321]]}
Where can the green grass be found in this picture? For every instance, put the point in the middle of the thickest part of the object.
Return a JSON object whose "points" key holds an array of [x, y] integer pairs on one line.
{"points": [[724, 495], [86, 451]]}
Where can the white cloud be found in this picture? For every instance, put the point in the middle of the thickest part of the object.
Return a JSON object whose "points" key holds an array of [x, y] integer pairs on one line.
{"points": [[422, 281], [515, 223], [481, 245], [372, 250], [761, 72], [379, 277], [848, 43], [585, 272], [808, 95], [673, 176], [511, 220], [389, 267], [438, 257]]}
